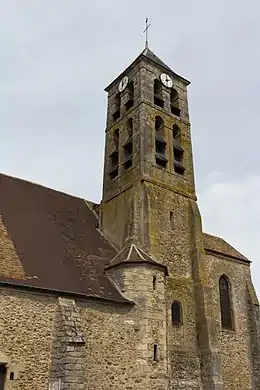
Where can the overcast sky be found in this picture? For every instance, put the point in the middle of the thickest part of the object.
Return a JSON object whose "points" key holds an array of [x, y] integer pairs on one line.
{"points": [[56, 57]]}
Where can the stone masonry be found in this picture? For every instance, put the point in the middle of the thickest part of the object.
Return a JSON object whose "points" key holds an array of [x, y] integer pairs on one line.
{"points": [[126, 294]]}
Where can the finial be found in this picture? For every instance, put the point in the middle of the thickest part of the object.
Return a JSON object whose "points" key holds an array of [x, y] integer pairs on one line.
{"points": [[147, 25]]}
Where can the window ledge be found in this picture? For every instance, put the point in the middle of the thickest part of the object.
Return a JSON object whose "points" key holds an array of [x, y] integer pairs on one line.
{"points": [[231, 331]]}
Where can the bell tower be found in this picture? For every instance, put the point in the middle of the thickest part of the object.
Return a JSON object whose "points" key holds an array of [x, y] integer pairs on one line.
{"points": [[149, 201], [148, 148]]}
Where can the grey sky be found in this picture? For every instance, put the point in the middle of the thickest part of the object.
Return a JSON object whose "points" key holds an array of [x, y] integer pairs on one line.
{"points": [[57, 56]]}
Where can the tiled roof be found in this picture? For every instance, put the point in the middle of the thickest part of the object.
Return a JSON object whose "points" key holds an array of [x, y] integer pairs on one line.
{"points": [[131, 255], [217, 244], [53, 237]]}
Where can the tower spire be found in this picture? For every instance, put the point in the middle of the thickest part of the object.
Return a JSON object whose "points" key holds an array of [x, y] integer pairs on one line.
{"points": [[147, 25]]}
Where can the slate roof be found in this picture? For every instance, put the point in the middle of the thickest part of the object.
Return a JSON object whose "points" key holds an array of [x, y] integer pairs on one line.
{"points": [[56, 240], [58, 245], [132, 255], [219, 245], [150, 56]]}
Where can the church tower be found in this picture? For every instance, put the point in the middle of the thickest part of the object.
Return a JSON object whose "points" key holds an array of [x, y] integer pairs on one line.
{"points": [[149, 201], [148, 152]]}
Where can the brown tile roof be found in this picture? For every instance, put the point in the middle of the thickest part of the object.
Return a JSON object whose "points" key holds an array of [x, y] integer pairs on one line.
{"points": [[217, 244], [54, 236]]}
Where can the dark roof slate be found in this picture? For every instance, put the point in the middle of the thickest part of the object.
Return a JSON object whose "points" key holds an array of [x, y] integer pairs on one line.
{"points": [[219, 245], [56, 240], [132, 255], [150, 56]]}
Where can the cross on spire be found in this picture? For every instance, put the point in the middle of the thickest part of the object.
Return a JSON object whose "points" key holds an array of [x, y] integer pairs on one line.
{"points": [[147, 25]]}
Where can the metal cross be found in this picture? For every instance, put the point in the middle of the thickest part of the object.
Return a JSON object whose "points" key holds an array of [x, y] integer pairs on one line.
{"points": [[147, 25]]}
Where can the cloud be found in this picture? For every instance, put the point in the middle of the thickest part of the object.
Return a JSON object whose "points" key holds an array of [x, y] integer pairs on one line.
{"points": [[231, 209], [57, 56]]}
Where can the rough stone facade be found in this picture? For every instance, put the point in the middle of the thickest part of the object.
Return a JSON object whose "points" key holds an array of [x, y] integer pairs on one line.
{"points": [[54, 339]]}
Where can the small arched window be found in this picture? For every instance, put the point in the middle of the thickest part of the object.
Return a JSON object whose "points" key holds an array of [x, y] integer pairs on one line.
{"points": [[130, 127], [176, 313], [130, 95], [114, 156], [116, 138], [175, 109], [177, 150], [159, 123], [225, 303], [116, 114], [128, 146], [157, 91], [160, 144]]}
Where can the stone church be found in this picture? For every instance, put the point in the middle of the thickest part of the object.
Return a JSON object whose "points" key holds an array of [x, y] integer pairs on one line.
{"points": [[128, 294]]}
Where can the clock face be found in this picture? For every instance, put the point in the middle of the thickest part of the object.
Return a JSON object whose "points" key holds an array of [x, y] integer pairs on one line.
{"points": [[166, 80], [123, 83]]}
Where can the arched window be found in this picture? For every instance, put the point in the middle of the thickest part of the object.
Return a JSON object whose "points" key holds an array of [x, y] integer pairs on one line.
{"points": [[160, 144], [130, 95], [225, 303], [177, 150], [159, 124], [128, 146], [157, 92], [176, 313], [117, 105], [175, 109], [114, 156], [130, 127], [116, 138]]}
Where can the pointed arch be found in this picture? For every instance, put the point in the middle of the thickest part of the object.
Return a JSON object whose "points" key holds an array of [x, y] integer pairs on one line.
{"points": [[176, 313], [225, 302]]}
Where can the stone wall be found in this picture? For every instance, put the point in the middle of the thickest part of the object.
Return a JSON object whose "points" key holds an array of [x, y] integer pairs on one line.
{"points": [[86, 344], [234, 345], [26, 323]]}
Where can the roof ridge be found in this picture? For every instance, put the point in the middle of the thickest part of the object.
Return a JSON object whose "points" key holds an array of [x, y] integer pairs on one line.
{"points": [[27, 181]]}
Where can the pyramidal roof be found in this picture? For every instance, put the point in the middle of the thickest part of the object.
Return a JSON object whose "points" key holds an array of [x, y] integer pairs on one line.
{"points": [[153, 57], [150, 56], [133, 255]]}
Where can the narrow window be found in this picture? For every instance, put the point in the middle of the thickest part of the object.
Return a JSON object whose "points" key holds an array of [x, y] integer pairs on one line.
{"points": [[130, 127], [114, 157], [160, 144], [177, 150], [11, 376], [116, 114], [154, 282], [155, 353], [2, 376], [128, 146], [157, 91], [130, 95], [176, 313], [171, 220], [175, 109], [225, 303]]}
